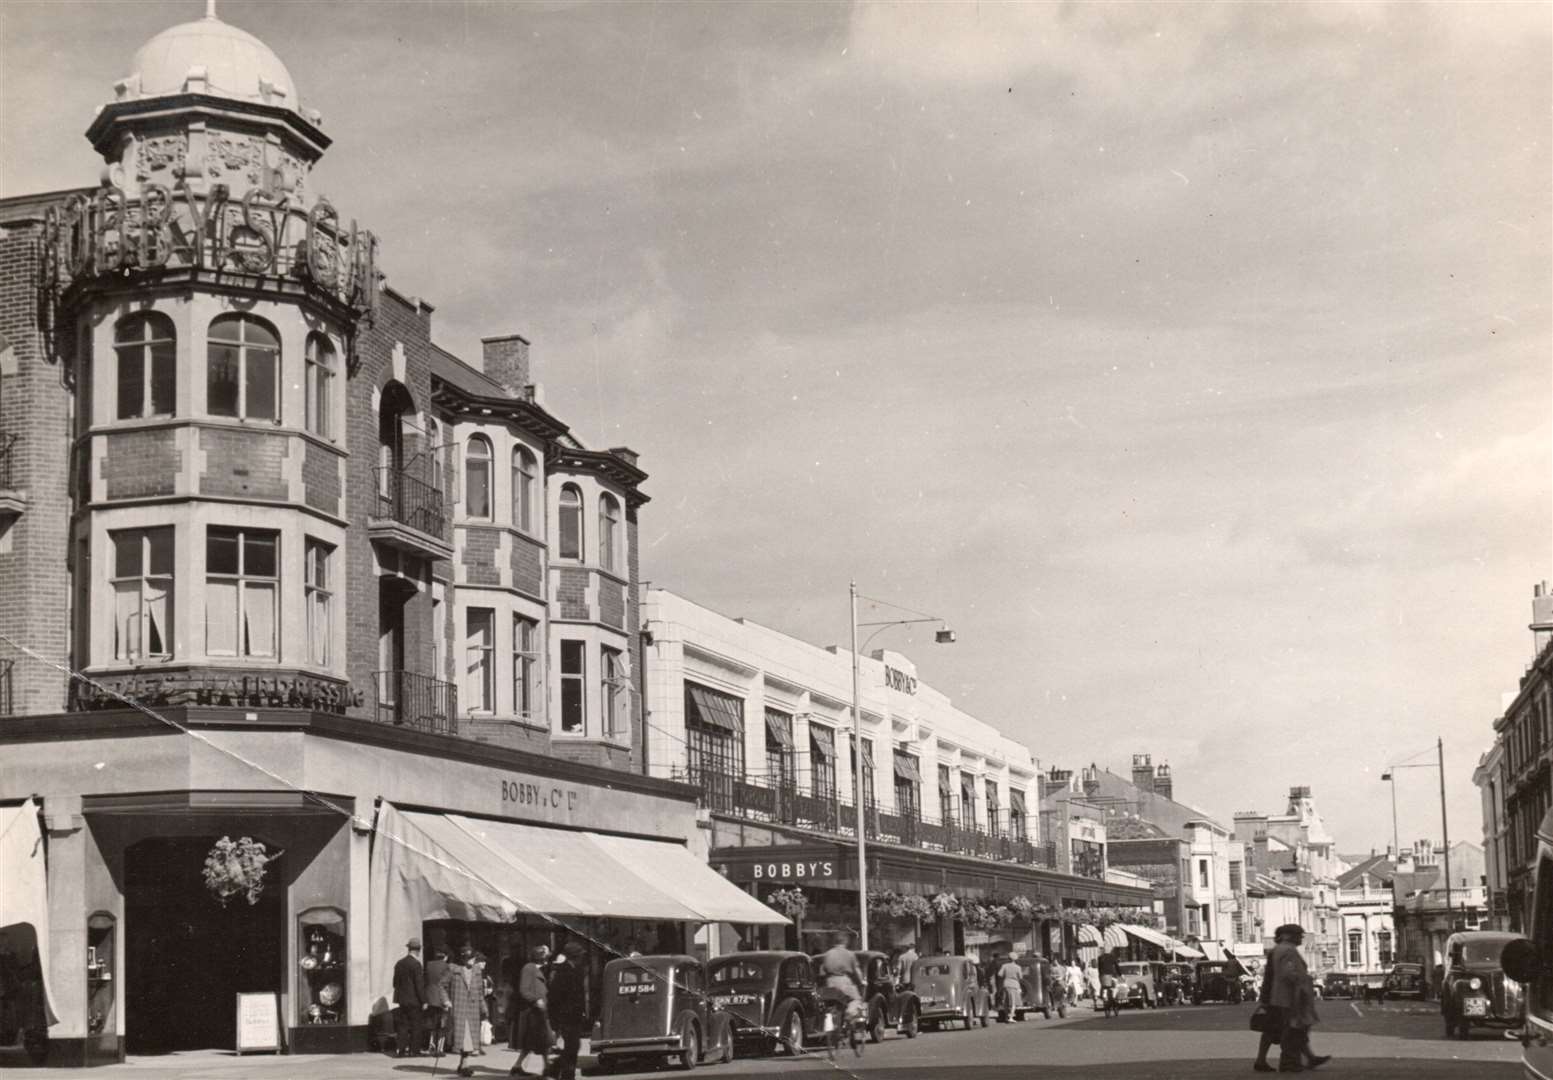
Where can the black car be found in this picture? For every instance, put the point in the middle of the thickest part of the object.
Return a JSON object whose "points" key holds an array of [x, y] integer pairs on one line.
{"points": [[888, 1005], [771, 999], [1475, 989], [1406, 981], [1218, 980], [1337, 984]]}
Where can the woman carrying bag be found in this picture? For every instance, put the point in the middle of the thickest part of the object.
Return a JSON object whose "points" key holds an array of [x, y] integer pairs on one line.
{"points": [[531, 1025]]}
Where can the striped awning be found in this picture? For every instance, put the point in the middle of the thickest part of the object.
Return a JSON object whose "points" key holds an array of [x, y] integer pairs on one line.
{"points": [[1089, 935], [1149, 935], [906, 768], [712, 708], [1114, 937], [779, 725], [824, 740]]}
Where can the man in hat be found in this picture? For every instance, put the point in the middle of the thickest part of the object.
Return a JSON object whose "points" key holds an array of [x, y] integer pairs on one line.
{"points": [[568, 1008], [1294, 994], [409, 1002]]}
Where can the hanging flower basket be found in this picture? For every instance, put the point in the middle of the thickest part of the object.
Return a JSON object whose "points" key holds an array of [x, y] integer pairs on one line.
{"points": [[237, 868], [790, 902], [917, 907]]}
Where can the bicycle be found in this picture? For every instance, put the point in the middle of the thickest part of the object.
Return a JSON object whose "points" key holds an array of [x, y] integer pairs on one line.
{"points": [[844, 1022]]}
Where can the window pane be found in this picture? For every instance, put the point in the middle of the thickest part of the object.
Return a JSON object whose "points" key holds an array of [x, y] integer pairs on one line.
{"points": [[258, 619], [318, 629], [221, 618], [479, 489], [126, 553], [571, 525], [132, 374], [221, 551], [126, 619], [221, 387], [571, 705], [225, 329], [158, 617], [164, 379], [259, 554], [160, 543], [571, 658], [261, 384], [256, 333]]}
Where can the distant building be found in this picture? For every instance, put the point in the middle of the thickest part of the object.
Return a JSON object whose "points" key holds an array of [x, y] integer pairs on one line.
{"points": [[1489, 776], [1424, 912], [1367, 939], [1295, 847]]}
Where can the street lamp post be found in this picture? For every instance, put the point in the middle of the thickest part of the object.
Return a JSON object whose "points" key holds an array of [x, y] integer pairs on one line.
{"points": [[1445, 828], [944, 636]]}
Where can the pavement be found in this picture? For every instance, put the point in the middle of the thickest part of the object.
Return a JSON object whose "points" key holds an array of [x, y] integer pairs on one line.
{"points": [[1398, 1040]]}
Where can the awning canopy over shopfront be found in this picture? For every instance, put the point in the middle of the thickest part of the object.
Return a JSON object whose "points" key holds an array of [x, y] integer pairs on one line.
{"points": [[1149, 936], [1183, 949], [714, 709], [824, 740], [24, 902], [1214, 951], [779, 726], [906, 768], [447, 866]]}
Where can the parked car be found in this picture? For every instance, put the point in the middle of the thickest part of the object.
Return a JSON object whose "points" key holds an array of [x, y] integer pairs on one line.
{"points": [[1335, 984], [1136, 985], [1406, 981], [771, 999], [1036, 991], [657, 1007], [889, 1006], [1218, 980], [1475, 989], [949, 988], [1177, 983]]}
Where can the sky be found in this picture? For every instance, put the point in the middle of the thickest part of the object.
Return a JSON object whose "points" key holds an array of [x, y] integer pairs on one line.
{"points": [[1193, 362]]}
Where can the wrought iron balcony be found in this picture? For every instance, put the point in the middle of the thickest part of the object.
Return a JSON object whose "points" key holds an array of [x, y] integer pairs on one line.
{"points": [[410, 515], [784, 804], [416, 701]]}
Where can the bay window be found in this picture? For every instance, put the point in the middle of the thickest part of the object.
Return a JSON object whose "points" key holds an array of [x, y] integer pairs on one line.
{"points": [[571, 522], [612, 691], [525, 662], [574, 711], [146, 346], [243, 370], [142, 593], [609, 529], [242, 572], [477, 477], [319, 385], [479, 642], [319, 599], [524, 471]]}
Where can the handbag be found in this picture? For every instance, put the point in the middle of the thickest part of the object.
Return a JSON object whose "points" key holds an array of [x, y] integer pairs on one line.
{"points": [[1261, 1019], [487, 1035]]}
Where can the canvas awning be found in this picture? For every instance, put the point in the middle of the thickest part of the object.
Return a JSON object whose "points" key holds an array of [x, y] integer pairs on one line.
{"points": [[1181, 948], [824, 740], [868, 753], [714, 708], [24, 901], [779, 726], [906, 769], [1114, 937], [1089, 935], [447, 866], [1151, 936], [1214, 951]]}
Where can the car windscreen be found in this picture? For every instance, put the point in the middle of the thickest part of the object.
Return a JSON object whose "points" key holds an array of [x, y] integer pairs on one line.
{"points": [[932, 969], [1135, 969], [1485, 951], [736, 971]]}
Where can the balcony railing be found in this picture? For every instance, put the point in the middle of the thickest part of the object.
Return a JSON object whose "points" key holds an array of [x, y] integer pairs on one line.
{"points": [[416, 701], [6, 700], [411, 501], [7, 456], [784, 804]]}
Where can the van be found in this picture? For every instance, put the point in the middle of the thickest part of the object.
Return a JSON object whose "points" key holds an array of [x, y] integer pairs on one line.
{"points": [[1530, 963]]}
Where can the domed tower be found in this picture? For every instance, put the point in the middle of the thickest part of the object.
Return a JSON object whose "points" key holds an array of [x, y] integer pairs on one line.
{"points": [[207, 307]]}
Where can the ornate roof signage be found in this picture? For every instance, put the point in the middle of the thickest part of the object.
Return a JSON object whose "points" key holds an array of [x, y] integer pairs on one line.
{"points": [[109, 233]]}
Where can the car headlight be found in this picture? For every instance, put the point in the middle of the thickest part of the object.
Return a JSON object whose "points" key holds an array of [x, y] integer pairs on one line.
{"points": [[1476, 983]]}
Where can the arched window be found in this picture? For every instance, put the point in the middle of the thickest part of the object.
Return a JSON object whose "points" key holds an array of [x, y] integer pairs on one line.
{"points": [[523, 473], [243, 378], [319, 386], [147, 348], [609, 530], [571, 522], [477, 477]]}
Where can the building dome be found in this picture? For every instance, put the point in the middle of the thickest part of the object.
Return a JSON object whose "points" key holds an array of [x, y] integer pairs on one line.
{"points": [[209, 56]]}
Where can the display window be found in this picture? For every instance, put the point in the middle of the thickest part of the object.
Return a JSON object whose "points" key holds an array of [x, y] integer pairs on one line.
{"points": [[321, 966]]}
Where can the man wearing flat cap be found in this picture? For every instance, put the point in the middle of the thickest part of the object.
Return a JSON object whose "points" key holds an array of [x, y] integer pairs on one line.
{"points": [[409, 1002], [1294, 995]]}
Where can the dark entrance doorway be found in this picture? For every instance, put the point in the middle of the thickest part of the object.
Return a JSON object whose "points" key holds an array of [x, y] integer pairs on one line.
{"points": [[186, 956]]}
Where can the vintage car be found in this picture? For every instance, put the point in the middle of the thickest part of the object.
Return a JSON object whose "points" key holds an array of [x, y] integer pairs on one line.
{"points": [[1475, 990], [1218, 980], [1406, 981], [949, 988], [1335, 984], [1135, 986], [888, 1005], [1037, 993], [657, 1007], [1177, 982], [771, 999]]}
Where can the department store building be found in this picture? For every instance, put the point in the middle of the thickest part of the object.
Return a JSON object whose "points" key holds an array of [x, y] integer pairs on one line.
{"points": [[276, 567]]}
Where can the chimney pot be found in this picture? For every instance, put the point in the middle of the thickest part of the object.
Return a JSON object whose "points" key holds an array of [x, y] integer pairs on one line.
{"points": [[505, 359]]}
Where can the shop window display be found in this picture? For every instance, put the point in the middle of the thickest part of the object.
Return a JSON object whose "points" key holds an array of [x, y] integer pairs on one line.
{"points": [[101, 933], [321, 966]]}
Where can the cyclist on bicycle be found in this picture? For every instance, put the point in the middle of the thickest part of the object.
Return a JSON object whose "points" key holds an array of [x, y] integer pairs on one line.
{"points": [[842, 977], [1110, 967]]}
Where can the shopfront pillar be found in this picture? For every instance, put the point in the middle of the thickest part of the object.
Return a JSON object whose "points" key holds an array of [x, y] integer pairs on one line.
{"points": [[67, 858], [360, 992]]}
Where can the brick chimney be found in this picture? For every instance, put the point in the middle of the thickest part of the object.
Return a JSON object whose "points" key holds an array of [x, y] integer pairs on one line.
{"points": [[1091, 780], [1163, 785], [506, 360], [1143, 772], [1541, 616]]}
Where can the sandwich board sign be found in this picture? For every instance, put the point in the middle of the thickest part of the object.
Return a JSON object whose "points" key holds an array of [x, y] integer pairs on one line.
{"points": [[258, 1022]]}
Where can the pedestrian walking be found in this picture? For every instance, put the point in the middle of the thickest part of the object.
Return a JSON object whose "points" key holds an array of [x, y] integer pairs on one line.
{"points": [[466, 1008], [908, 965], [1013, 990], [1092, 981], [436, 999], [1078, 982], [409, 1002], [1272, 1015], [1294, 993], [568, 1009], [531, 1025]]}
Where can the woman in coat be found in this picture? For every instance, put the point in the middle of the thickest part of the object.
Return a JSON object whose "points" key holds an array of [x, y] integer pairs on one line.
{"points": [[531, 1026], [466, 1008]]}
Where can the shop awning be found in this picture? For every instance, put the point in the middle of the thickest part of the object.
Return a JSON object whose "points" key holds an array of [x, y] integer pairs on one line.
{"points": [[1214, 951], [1151, 936], [673, 869], [714, 709], [780, 727], [1089, 935], [24, 901], [906, 769], [1181, 948], [1114, 937], [868, 754], [824, 740]]}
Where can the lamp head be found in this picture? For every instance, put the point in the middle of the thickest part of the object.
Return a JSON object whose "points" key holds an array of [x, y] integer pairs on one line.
{"points": [[1386, 775], [944, 636]]}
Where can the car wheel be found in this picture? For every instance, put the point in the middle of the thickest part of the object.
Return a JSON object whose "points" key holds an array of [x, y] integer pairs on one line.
{"points": [[690, 1048], [876, 1023], [789, 1025], [912, 1025]]}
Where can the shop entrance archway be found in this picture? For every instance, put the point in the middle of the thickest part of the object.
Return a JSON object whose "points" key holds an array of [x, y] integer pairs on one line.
{"points": [[186, 955]]}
